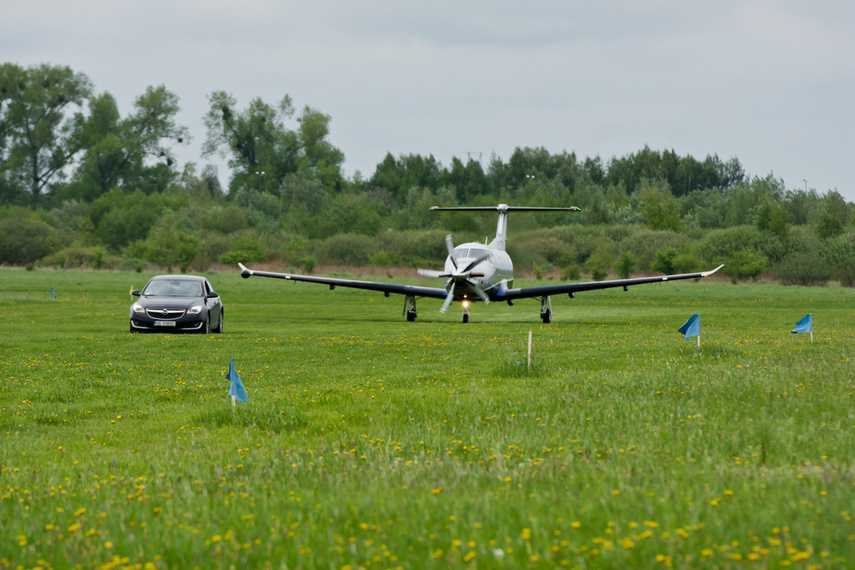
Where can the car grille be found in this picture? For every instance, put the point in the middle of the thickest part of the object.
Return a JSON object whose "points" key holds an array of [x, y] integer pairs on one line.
{"points": [[165, 314]]}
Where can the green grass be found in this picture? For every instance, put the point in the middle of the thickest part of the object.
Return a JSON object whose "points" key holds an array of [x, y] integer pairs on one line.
{"points": [[372, 442]]}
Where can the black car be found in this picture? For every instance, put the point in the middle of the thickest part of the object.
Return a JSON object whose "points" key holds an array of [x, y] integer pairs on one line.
{"points": [[177, 303]]}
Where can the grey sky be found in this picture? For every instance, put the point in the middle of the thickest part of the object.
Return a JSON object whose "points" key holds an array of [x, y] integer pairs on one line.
{"points": [[770, 82]]}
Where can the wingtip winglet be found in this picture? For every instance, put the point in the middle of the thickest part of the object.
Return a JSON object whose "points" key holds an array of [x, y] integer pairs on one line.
{"points": [[714, 270]]}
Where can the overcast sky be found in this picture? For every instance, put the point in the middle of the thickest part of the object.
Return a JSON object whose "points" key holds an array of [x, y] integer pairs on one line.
{"points": [[769, 82]]}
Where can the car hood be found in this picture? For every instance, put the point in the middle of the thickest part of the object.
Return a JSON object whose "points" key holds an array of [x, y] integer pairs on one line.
{"points": [[170, 302]]}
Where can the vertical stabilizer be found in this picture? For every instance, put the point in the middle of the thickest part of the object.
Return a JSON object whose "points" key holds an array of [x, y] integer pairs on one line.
{"points": [[501, 228]]}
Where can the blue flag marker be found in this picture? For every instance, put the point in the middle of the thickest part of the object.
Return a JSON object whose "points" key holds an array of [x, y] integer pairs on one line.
{"points": [[805, 325], [52, 293], [692, 327], [236, 389]]}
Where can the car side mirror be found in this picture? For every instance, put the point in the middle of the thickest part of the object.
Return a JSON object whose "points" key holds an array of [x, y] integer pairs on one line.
{"points": [[212, 295], [135, 293]]}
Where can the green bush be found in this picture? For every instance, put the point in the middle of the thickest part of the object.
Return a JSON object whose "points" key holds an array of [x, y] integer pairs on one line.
{"points": [[385, 258], [599, 274], [245, 248], [688, 263], [601, 261], [570, 273], [346, 249], [664, 261], [626, 264], [719, 245], [841, 257], [422, 247], [803, 269], [643, 244], [745, 264], [133, 264], [24, 241], [77, 256]]}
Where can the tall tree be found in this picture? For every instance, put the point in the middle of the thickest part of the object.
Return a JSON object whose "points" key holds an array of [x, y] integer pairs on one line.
{"points": [[131, 153], [659, 209], [262, 150], [399, 176], [39, 128]]}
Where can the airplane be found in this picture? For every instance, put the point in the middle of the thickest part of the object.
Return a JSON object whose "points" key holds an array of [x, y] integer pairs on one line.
{"points": [[475, 271]]}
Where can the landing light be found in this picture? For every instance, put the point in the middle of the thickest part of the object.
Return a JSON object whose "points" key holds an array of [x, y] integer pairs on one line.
{"points": [[465, 304]]}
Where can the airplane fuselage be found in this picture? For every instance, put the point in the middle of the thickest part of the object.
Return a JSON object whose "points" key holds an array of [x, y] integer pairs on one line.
{"points": [[496, 271]]}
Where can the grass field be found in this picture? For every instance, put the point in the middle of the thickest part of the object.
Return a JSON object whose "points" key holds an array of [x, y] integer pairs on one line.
{"points": [[372, 442]]}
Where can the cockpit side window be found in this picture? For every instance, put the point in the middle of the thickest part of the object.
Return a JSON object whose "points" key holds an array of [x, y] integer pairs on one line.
{"points": [[461, 252], [475, 253]]}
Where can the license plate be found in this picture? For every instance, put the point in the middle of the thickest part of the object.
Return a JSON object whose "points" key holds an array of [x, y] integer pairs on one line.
{"points": [[164, 323]]}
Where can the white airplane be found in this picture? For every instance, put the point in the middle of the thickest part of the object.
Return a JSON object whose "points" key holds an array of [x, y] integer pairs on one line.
{"points": [[476, 271]]}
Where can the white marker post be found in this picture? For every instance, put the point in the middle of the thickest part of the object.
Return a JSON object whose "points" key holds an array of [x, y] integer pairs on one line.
{"points": [[529, 349]]}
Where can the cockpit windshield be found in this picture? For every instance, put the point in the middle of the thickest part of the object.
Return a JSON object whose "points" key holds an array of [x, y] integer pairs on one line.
{"points": [[469, 253]]}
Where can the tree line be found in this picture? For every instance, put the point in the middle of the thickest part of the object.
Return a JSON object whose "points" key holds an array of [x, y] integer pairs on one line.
{"points": [[82, 185]]}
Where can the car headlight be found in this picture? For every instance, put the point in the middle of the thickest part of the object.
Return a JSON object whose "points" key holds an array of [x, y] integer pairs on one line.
{"points": [[138, 309], [194, 310]]}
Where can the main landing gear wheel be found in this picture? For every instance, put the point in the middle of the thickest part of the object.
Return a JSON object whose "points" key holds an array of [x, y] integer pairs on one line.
{"points": [[410, 308], [546, 310], [465, 317]]}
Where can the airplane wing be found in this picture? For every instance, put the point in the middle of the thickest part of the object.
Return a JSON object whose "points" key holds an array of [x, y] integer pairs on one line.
{"points": [[433, 292], [571, 288]]}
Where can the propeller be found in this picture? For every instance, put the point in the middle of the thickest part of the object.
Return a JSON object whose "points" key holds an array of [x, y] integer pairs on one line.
{"points": [[458, 276], [448, 298]]}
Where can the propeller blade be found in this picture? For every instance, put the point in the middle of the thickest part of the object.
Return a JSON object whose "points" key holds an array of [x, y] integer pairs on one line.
{"points": [[448, 299], [433, 273], [476, 262], [449, 245], [483, 296]]}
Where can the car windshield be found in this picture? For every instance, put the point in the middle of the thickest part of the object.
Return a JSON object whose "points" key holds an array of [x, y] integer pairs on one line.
{"points": [[173, 288]]}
